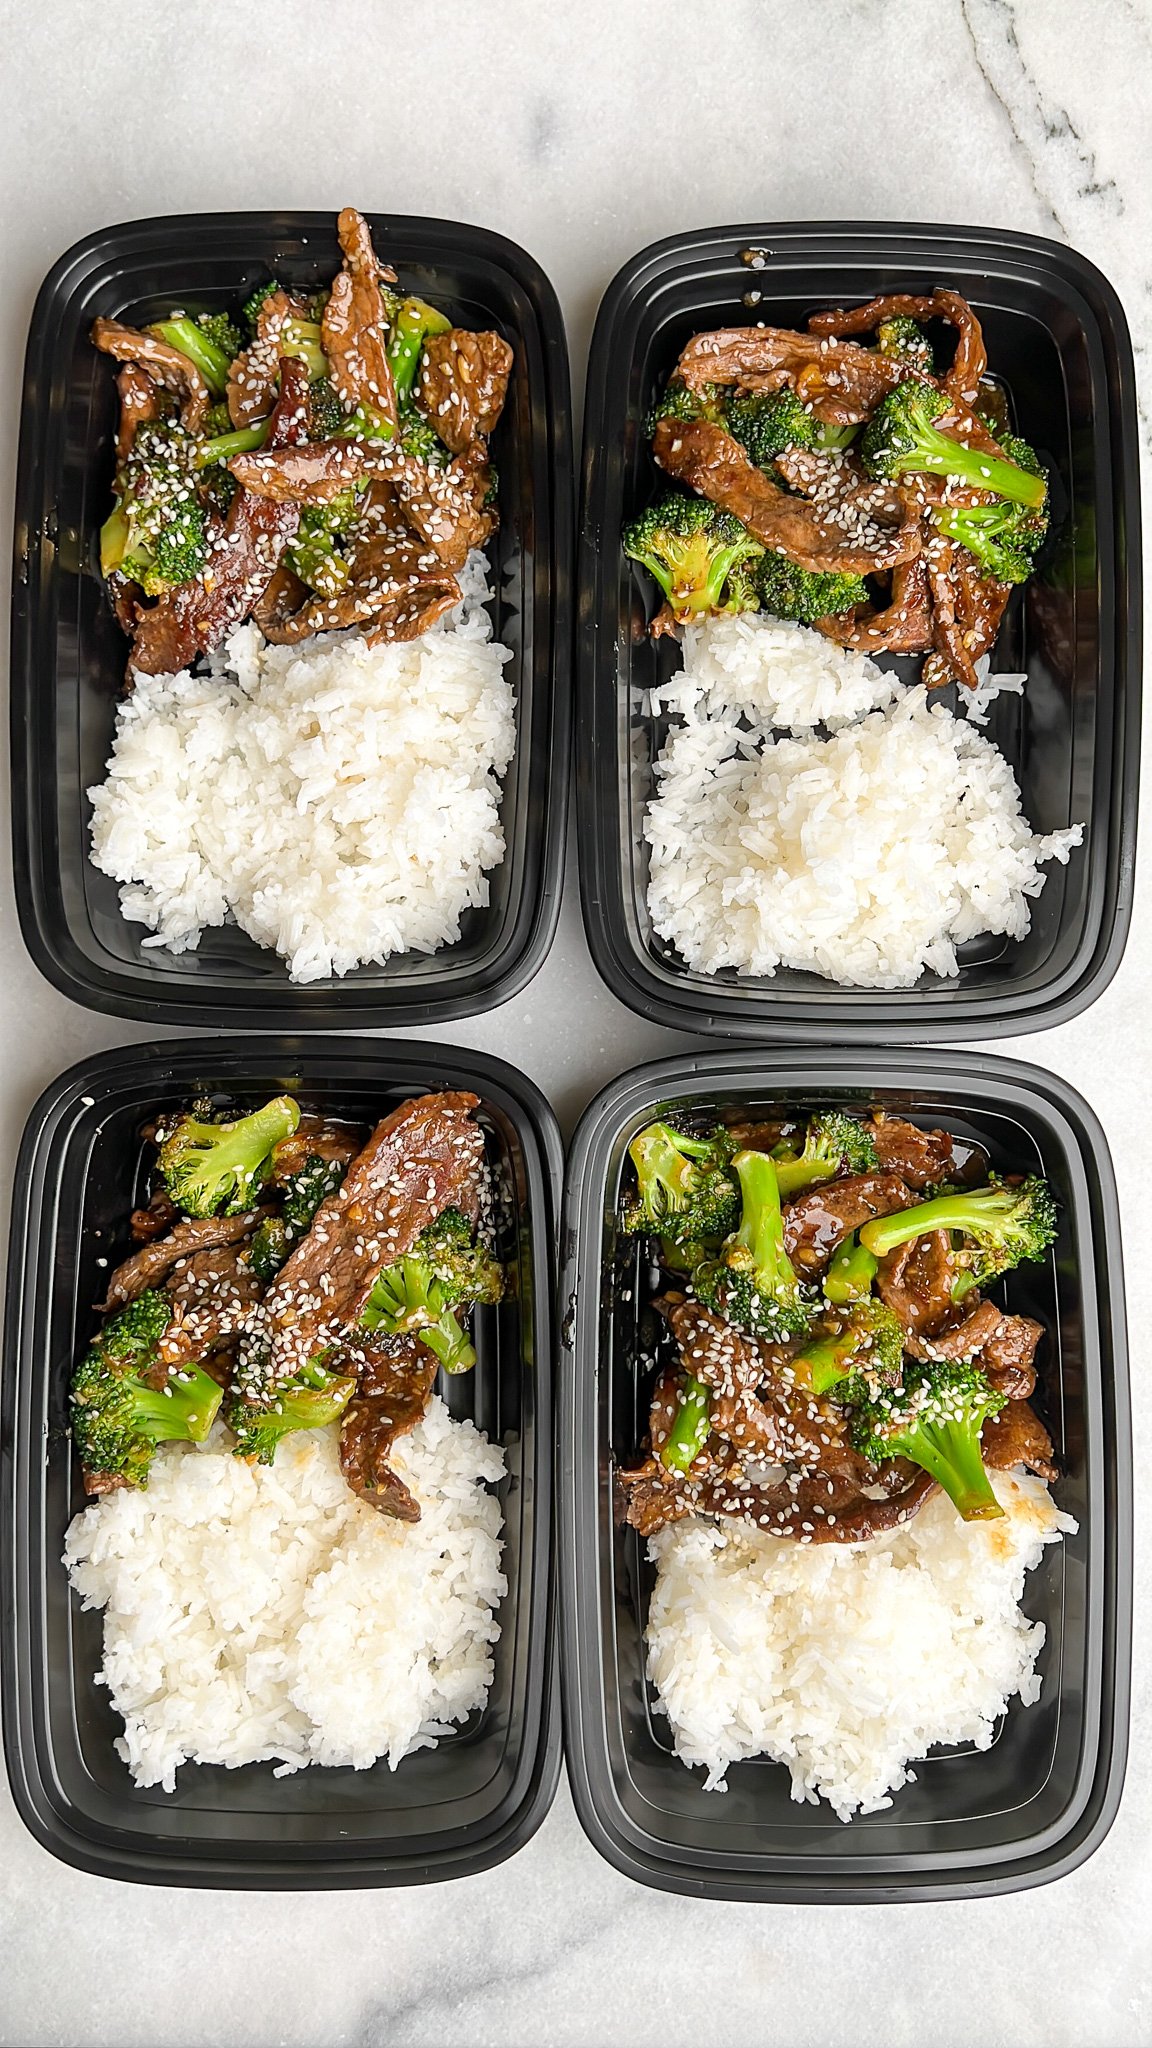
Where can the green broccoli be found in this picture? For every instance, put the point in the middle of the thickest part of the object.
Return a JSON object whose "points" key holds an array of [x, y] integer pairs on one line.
{"points": [[222, 330], [419, 439], [934, 1418], [274, 1238], [691, 547], [902, 436], [222, 447], [413, 323], [752, 1282], [677, 402], [1004, 1223], [689, 1432], [686, 1192], [903, 338], [767, 422], [851, 1271], [196, 339], [868, 1340], [325, 410], [315, 553], [1004, 537], [117, 1417], [156, 533], [419, 1293], [790, 592], [311, 1399], [255, 300], [831, 1140], [211, 1169], [303, 338]]}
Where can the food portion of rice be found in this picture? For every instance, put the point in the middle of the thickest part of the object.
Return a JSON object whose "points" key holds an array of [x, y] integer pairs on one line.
{"points": [[257, 1613], [847, 1663], [340, 802], [866, 855]]}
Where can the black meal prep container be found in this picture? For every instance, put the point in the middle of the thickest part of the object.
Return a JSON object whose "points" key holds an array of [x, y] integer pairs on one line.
{"points": [[69, 656], [448, 1812], [1058, 342], [1041, 1799]]}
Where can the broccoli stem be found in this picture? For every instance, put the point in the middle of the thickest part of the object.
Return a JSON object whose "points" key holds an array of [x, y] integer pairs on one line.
{"points": [[186, 1408], [950, 1451], [794, 1175], [192, 342], [761, 1231], [114, 537], [946, 1212], [222, 447], [414, 322], [851, 1273], [689, 1432], [823, 1364], [449, 1342]]}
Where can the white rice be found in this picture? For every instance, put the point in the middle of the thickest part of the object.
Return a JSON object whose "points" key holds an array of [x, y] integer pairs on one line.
{"points": [[866, 856], [337, 801], [258, 1613], [847, 1662]]}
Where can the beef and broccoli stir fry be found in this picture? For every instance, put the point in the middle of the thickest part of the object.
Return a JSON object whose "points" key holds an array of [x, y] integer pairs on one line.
{"points": [[838, 478], [839, 1358], [319, 462], [289, 1274]]}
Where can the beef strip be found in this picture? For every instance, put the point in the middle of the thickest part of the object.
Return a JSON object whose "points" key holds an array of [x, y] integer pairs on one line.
{"points": [[1003, 1346], [194, 618], [315, 471], [962, 379], [355, 324], [842, 382], [152, 1222], [462, 384], [702, 455], [833, 480], [814, 1508], [211, 1292], [922, 1158], [396, 1379], [396, 583], [139, 403], [756, 1406], [164, 365], [315, 1137], [152, 1264], [422, 1159], [255, 374], [817, 1221], [1018, 1437], [448, 507], [902, 626], [915, 1282], [966, 612]]}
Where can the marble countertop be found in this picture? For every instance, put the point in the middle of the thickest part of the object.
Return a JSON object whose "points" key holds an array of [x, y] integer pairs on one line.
{"points": [[585, 133]]}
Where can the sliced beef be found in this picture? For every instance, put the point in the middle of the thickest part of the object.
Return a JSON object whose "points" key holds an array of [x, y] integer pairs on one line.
{"points": [[139, 403], [1018, 1437], [462, 384], [154, 1221], [817, 1221], [315, 1137], [833, 480], [165, 366], [355, 324], [419, 1161], [449, 508], [151, 1265], [756, 1407], [255, 376], [211, 1292], [1003, 1346], [962, 379], [396, 1378], [901, 626], [915, 1281], [922, 1158], [315, 471], [842, 382], [709, 460], [394, 580]]}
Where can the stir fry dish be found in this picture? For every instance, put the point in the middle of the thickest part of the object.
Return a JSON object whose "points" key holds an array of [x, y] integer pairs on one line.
{"points": [[319, 461], [840, 478], [289, 1274], [839, 1356]]}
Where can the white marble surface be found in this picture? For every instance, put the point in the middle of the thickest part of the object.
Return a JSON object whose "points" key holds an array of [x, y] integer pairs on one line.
{"points": [[585, 133]]}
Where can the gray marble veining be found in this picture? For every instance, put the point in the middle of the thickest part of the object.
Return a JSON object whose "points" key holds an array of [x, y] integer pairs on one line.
{"points": [[585, 134]]}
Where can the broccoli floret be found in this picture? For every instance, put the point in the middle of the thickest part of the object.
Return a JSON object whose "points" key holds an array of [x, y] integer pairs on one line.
{"points": [[1004, 1224], [1004, 538], [832, 434], [325, 410], [414, 321], [117, 1418], [316, 553], [691, 547], [868, 1340], [689, 1432], [686, 1192], [222, 330], [831, 1140], [311, 1399], [902, 435], [419, 439], [255, 300], [303, 338], [274, 1238], [767, 422], [851, 1271], [177, 554], [934, 1417], [156, 534], [214, 1169], [752, 1282], [790, 592], [195, 341], [900, 336], [677, 402], [419, 1293]]}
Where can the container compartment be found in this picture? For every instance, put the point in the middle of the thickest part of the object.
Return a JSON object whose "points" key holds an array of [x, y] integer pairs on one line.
{"points": [[447, 1812], [1041, 1798]]}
